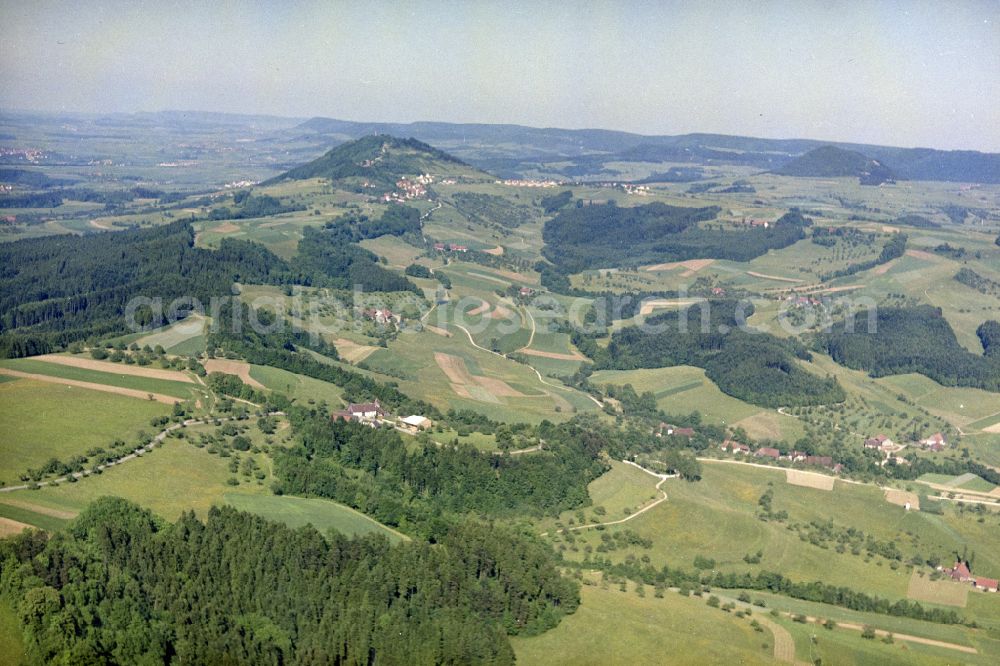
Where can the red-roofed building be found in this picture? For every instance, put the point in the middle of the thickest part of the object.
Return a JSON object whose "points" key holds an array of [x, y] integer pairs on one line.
{"points": [[960, 572], [988, 584], [366, 410], [935, 442], [667, 429], [819, 461], [768, 452], [340, 415]]}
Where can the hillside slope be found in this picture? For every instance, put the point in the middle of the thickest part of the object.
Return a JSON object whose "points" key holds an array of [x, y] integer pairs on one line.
{"points": [[379, 161]]}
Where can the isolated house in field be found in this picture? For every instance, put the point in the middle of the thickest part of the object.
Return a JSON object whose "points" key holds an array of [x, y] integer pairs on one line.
{"points": [[935, 442], [673, 431], [880, 442], [366, 411], [768, 452]]}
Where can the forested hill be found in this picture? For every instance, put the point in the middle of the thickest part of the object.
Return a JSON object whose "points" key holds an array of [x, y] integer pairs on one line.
{"points": [[124, 587], [63, 288], [379, 160], [833, 162], [752, 366], [605, 235], [916, 339]]}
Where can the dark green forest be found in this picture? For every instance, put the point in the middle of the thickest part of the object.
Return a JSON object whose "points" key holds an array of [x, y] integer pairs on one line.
{"points": [[60, 289], [756, 367], [603, 235], [122, 586], [63, 288], [372, 471], [896, 340]]}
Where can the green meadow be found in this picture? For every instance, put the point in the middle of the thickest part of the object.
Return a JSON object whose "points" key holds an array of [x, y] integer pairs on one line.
{"points": [[41, 420]]}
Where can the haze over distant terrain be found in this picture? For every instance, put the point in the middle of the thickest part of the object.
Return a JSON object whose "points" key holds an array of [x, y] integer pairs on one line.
{"points": [[902, 74]]}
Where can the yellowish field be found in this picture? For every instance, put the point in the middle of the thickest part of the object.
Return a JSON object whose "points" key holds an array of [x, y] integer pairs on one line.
{"points": [[8, 527], [239, 368], [351, 351], [945, 591], [115, 368], [798, 477], [902, 498]]}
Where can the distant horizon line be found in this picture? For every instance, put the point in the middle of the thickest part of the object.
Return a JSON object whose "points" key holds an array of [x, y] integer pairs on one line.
{"points": [[235, 114]]}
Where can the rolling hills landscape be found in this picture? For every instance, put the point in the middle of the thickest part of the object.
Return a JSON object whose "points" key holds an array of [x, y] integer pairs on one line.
{"points": [[665, 398]]}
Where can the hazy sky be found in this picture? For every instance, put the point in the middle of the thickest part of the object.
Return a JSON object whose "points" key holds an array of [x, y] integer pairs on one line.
{"points": [[899, 73]]}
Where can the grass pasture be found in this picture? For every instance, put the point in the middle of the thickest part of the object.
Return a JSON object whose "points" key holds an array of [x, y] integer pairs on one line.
{"points": [[621, 628], [718, 518], [683, 389], [185, 337], [298, 387], [320, 513], [11, 644], [171, 479], [40, 420]]}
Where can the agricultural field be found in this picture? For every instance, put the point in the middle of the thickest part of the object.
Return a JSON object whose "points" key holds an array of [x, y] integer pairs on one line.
{"points": [[133, 379], [297, 387], [183, 338], [41, 420], [322, 514], [685, 389], [719, 517], [646, 630]]}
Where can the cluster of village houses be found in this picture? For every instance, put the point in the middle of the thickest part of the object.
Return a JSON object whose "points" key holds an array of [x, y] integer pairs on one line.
{"points": [[449, 247], [514, 182], [372, 414], [881, 443], [407, 189], [961, 572], [383, 316]]}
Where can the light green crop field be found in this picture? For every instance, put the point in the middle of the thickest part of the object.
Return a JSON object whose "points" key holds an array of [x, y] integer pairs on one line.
{"points": [[320, 513], [396, 251], [179, 390], [960, 406], [613, 627], [41, 420], [11, 645], [184, 337], [295, 386], [623, 488], [716, 518]]}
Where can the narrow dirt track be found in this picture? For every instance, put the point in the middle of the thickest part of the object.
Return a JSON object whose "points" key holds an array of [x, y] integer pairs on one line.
{"points": [[784, 644]]}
